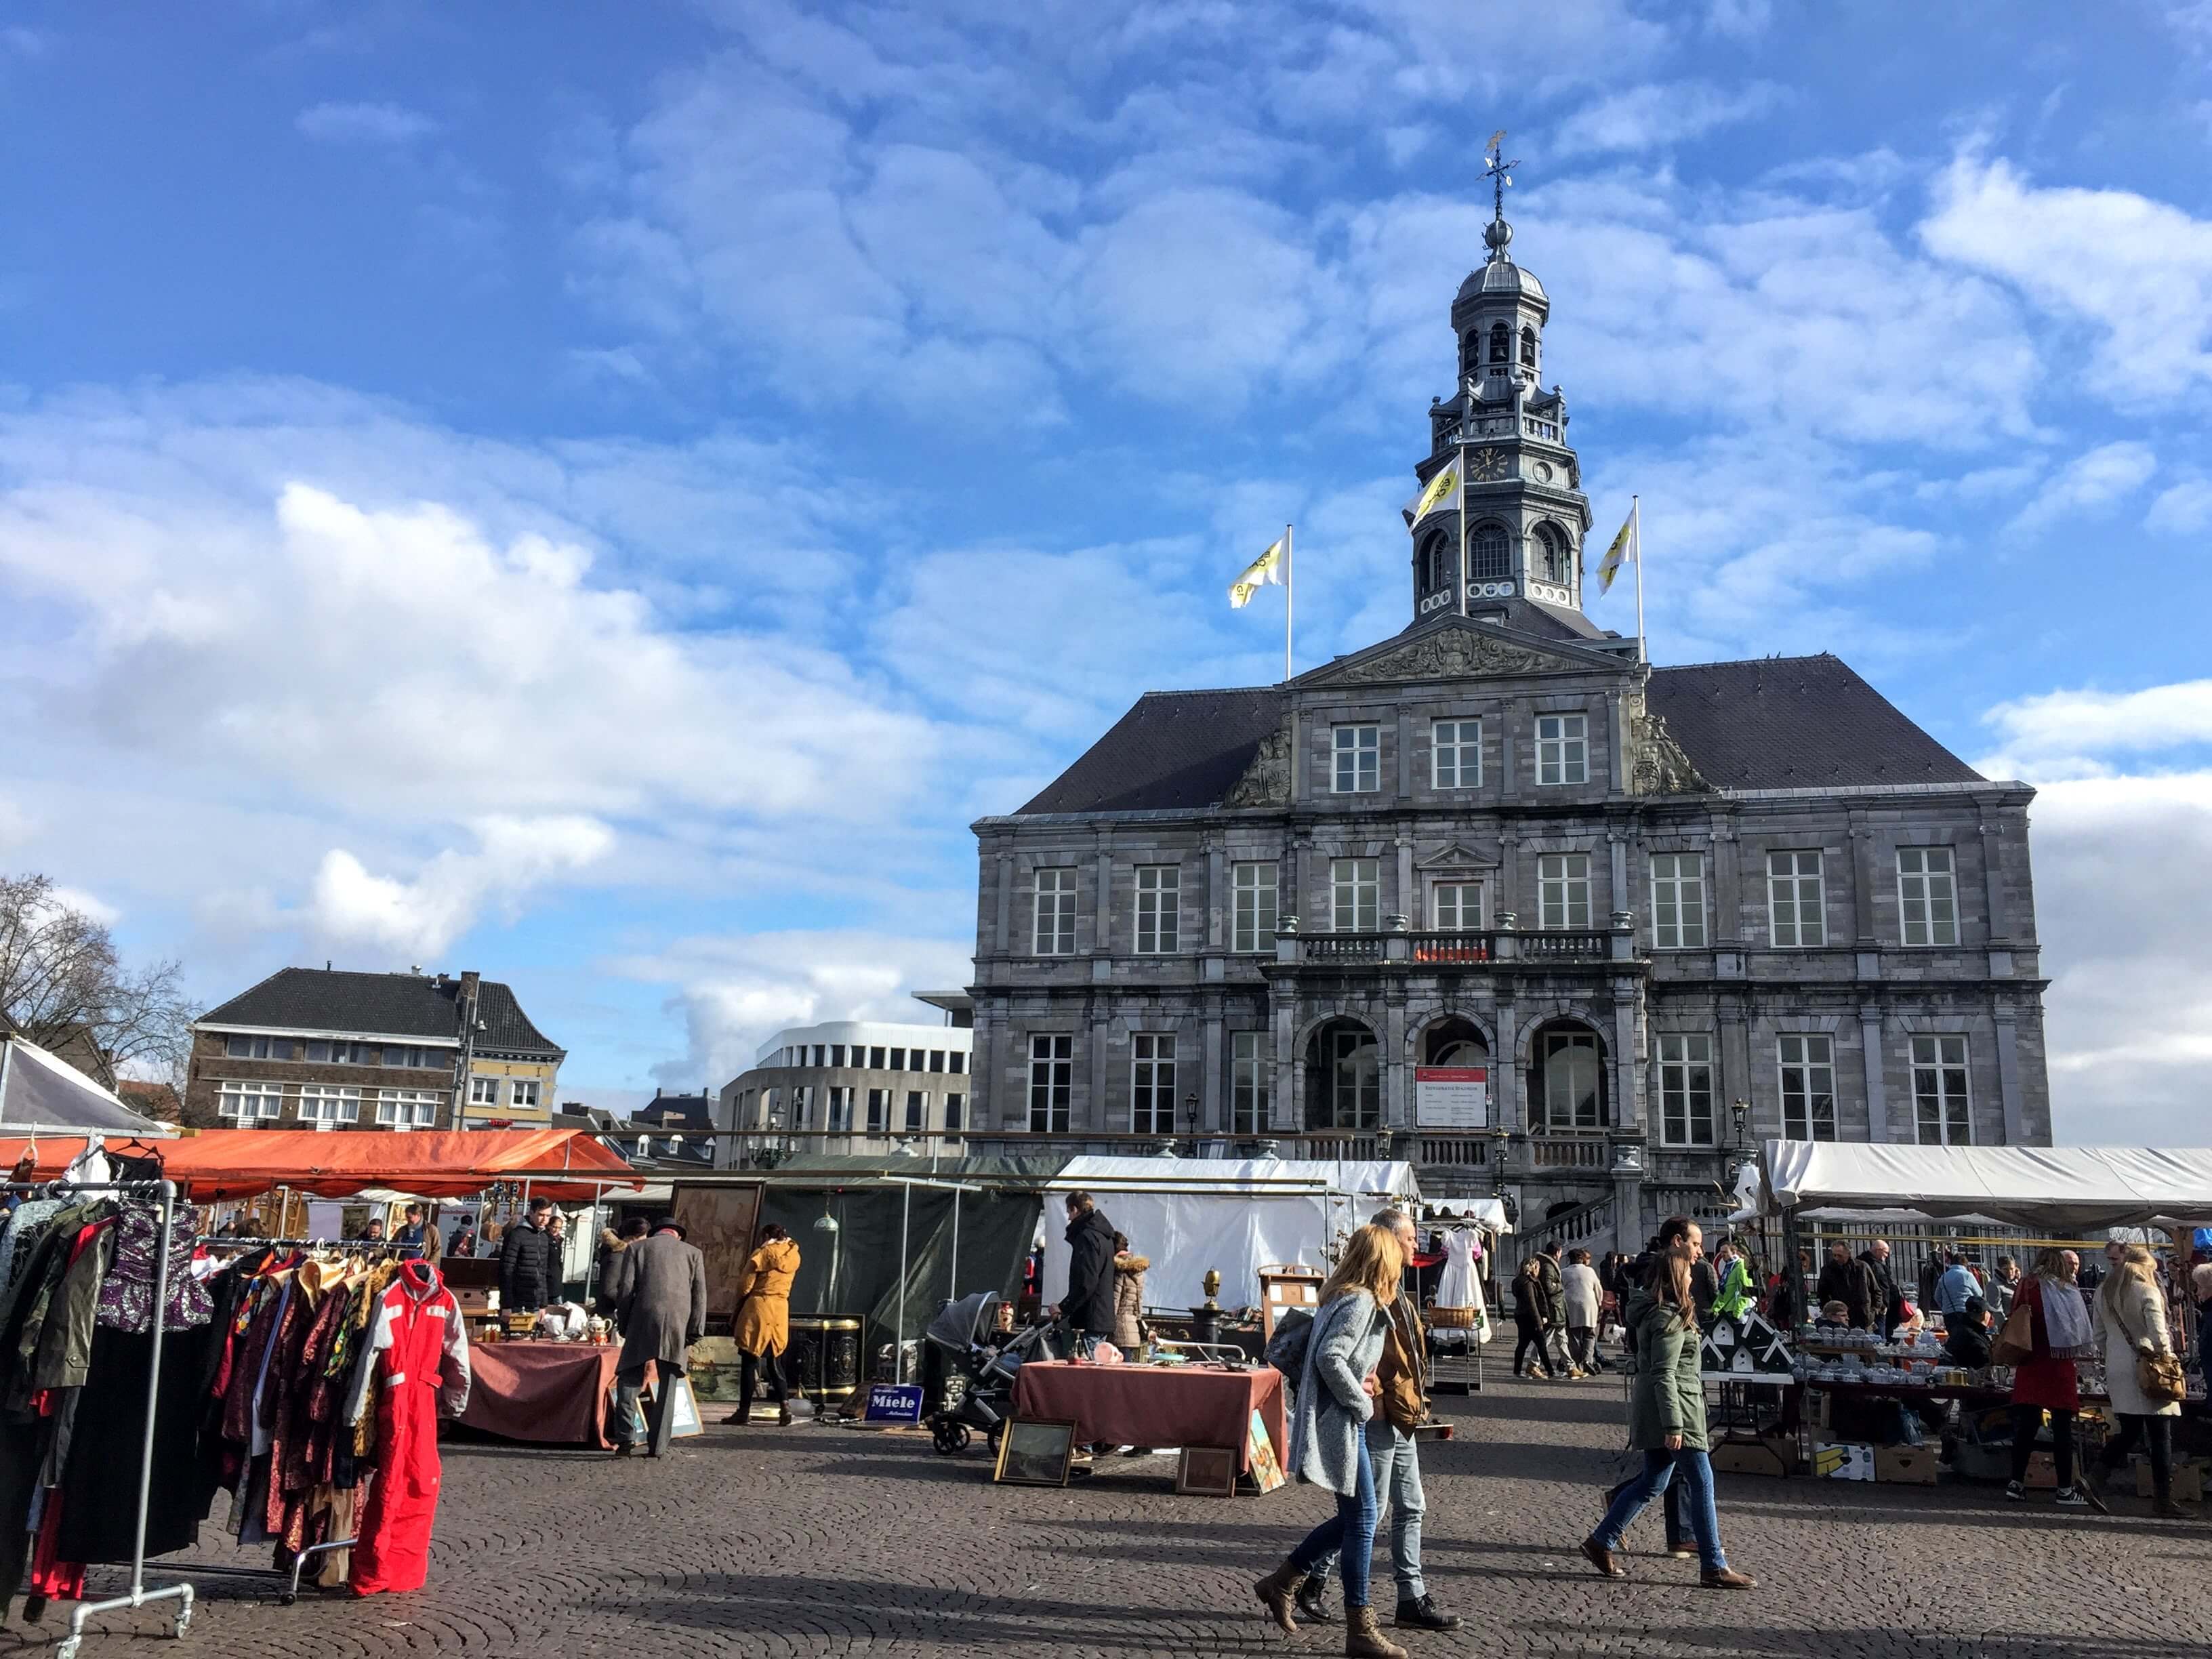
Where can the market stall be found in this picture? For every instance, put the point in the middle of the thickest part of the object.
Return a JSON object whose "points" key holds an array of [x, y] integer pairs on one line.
{"points": [[1159, 1405]]}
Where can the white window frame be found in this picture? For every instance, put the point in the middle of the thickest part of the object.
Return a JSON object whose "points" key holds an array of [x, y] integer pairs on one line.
{"points": [[406, 1108], [250, 1102], [1052, 1082], [523, 1092], [1678, 901], [1805, 1075], [1939, 1060], [1450, 910], [1152, 1083], [1562, 750], [483, 1092], [324, 1106], [1355, 895], [1257, 885], [1159, 908], [1054, 930], [1456, 754], [1251, 1083], [1358, 751], [1789, 880], [1928, 897], [1686, 1083], [1563, 892]]}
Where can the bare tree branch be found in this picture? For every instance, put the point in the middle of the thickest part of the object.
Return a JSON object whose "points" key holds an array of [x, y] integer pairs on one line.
{"points": [[64, 985]]}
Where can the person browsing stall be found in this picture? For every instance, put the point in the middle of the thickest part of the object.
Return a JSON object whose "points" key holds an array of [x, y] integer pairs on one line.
{"points": [[2129, 1315], [2046, 1380], [763, 1323], [529, 1266], [1956, 1287], [1087, 1307], [1850, 1281], [662, 1308]]}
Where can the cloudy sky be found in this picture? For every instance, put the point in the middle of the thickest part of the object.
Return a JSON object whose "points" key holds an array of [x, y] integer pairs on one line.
{"points": [[606, 498]]}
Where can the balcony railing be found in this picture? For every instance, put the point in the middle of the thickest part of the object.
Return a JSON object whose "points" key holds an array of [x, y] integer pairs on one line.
{"points": [[1344, 947], [1570, 1152], [1451, 948], [1563, 947]]}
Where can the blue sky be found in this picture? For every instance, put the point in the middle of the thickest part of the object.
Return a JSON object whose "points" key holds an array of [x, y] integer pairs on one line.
{"points": [[605, 495]]}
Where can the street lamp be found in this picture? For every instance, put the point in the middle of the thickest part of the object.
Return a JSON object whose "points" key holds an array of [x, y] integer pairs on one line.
{"points": [[771, 1151]]}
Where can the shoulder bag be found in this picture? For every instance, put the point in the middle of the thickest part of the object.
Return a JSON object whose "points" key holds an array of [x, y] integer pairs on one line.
{"points": [[2158, 1373], [2015, 1343]]}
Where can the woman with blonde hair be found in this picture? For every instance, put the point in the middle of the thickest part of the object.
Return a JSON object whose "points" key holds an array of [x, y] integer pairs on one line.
{"points": [[1328, 1434], [2046, 1380], [2128, 1316]]}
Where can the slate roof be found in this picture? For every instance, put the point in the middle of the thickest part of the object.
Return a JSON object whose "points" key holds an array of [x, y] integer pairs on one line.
{"points": [[691, 1112], [382, 1004], [1773, 723]]}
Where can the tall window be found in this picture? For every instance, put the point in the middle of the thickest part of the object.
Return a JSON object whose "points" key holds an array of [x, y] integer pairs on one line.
{"points": [[1678, 901], [1797, 901], [837, 1053], [1052, 1082], [1489, 553], [1152, 1083], [1574, 1082], [524, 1092], [324, 1106], [1458, 907], [879, 1110], [1253, 925], [1562, 749], [917, 1111], [1562, 891], [1553, 560], [406, 1108], [956, 1108], [1685, 1089], [1456, 754], [1355, 888], [1251, 1084], [1501, 344], [1927, 895], [1808, 1087], [1528, 347], [483, 1092], [1940, 1093], [840, 1119], [1435, 567], [1055, 912], [1159, 899], [1358, 759]]}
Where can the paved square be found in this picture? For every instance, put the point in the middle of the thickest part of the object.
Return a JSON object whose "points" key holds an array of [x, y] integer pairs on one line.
{"points": [[824, 1540]]}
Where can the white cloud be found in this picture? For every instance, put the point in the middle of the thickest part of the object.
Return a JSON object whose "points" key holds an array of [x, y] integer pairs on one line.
{"points": [[1657, 114], [2092, 481], [87, 904], [2135, 272], [2182, 508], [417, 919], [2068, 734], [364, 123]]}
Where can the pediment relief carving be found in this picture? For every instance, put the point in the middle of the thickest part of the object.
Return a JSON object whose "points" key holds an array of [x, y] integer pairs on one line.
{"points": [[1457, 856], [1266, 780], [1456, 653]]}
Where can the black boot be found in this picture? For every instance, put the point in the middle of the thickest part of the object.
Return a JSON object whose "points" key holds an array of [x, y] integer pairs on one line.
{"points": [[1313, 1599], [1422, 1612]]}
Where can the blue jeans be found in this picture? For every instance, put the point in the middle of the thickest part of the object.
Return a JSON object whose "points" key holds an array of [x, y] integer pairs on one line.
{"points": [[1395, 1459], [1659, 1468], [1349, 1533]]}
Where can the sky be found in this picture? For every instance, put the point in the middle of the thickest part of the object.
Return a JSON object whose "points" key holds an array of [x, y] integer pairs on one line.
{"points": [[606, 496]]}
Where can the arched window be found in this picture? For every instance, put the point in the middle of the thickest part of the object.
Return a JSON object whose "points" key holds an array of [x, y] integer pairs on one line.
{"points": [[1489, 555], [1470, 351], [1555, 562], [1501, 344], [1571, 1077], [1528, 347], [1344, 1077], [1434, 563]]}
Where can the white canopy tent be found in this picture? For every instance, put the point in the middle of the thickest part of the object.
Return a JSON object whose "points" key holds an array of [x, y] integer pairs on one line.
{"points": [[1187, 1214], [39, 1093], [2059, 1189]]}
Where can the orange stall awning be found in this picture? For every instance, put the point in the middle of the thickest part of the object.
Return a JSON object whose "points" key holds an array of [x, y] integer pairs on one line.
{"points": [[231, 1163]]}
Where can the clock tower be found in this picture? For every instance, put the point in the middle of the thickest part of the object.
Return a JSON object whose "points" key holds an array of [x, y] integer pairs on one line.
{"points": [[1519, 534]]}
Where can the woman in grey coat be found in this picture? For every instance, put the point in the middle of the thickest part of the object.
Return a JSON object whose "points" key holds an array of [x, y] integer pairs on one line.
{"points": [[1328, 1437]]}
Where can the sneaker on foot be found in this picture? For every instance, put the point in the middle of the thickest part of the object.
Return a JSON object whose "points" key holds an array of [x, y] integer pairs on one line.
{"points": [[2014, 1491], [2071, 1499]]}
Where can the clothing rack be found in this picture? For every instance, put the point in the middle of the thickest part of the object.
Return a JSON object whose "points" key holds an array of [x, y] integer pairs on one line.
{"points": [[1457, 1368], [162, 1195]]}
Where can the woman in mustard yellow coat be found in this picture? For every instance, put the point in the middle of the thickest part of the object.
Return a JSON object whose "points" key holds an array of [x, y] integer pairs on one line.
{"points": [[764, 1323]]}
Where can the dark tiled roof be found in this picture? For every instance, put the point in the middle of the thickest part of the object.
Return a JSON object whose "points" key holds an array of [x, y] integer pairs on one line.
{"points": [[1173, 748], [690, 1111], [1796, 723], [383, 1004]]}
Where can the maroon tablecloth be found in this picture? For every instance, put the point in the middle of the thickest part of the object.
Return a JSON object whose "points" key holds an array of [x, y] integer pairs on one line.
{"points": [[1154, 1405], [555, 1392]]}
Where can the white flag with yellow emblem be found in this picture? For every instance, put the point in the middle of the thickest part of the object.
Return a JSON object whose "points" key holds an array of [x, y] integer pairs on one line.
{"points": [[1266, 571], [1623, 548], [1442, 491]]}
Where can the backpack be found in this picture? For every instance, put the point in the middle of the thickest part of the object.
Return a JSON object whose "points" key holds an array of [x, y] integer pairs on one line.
{"points": [[1286, 1348]]}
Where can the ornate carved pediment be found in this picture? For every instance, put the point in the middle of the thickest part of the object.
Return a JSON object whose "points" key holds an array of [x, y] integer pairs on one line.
{"points": [[1657, 763], [1266, 780], [1452, 653], [1457, 856]]}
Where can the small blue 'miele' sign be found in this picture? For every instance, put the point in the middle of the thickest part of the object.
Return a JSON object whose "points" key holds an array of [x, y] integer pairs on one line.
{"points": [[893, 1403]]}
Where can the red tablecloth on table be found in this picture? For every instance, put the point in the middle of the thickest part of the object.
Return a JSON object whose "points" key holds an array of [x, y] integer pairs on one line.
{"points": [[1154, 1405], [555, 1392]]}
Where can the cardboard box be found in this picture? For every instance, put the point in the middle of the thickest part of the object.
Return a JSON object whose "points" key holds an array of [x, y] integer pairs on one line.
{"points": [[1772, 1453], [2188, 1479], [1906, 1466], [1842, 1460], [2042, 1472], [476, 1303]]}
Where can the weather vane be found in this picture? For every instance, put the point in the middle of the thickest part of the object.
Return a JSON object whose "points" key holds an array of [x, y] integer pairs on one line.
{"points": [[1500, 171]]}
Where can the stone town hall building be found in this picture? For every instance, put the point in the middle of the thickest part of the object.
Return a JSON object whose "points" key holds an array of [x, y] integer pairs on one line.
{"points": [[1632, 897]]}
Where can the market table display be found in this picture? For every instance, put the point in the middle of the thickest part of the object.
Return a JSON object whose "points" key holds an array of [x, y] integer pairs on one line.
{"points": [[1155, 1405], [552, 1392]]}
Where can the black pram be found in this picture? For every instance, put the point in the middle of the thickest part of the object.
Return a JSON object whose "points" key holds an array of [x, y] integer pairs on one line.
{"points": [[966, 1334]]}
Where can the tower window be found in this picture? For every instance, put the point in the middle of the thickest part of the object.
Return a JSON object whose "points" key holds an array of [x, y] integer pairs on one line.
{"points": [[1435, 555], [1553, 562], [1489, 558], [1501, 344], [1470, 351], [1528, 347]]}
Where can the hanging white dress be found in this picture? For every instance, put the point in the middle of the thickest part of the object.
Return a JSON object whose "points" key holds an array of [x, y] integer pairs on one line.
{"points": [[1461, 1285]]}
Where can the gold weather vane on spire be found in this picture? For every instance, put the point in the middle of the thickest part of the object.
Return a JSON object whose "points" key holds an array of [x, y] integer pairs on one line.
{"points": [[1500, 174]]}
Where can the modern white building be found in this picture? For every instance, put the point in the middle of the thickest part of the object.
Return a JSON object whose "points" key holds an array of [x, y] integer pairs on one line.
{"points": [[852, 1086]]}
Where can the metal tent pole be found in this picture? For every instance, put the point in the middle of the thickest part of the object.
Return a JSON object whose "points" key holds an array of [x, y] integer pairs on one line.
{"points": [[898, 1336], [952, 1285]]}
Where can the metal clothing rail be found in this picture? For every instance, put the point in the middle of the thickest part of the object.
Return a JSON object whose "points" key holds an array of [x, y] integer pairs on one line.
{"points": [[163, 1197]]}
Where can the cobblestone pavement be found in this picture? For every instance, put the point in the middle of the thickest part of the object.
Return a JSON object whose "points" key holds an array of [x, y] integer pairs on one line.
{"points": [[825, 1542]]}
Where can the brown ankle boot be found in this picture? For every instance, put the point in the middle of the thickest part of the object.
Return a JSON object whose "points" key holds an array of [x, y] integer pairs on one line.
{"points": [[1277, 1590], [1363, 1638]]}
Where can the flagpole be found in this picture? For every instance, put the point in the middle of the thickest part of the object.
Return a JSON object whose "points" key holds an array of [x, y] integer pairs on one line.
{"points": [[1290, 597], [1636, 546]]}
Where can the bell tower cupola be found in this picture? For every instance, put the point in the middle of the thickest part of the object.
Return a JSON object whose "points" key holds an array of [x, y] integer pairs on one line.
{"points": [[1510, 524]]}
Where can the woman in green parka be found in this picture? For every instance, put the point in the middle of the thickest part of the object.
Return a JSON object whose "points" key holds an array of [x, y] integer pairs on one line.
{"points": [[1667, 1413]]}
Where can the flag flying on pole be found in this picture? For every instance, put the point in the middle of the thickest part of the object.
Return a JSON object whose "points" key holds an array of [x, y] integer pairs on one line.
{"points": [[1623, 548], [1267, 570], [1443, 491]]}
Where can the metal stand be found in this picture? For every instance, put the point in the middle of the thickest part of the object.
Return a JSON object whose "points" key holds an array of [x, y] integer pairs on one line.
{"points": [[300, 1562], [163, 1193]]}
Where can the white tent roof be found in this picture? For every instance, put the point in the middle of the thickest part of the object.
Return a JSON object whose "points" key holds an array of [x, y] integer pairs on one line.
{"points": [[2060, 1188], [39, 1091], [1220, 1176]]}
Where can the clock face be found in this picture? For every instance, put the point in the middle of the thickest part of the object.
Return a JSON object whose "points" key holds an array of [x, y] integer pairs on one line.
{"points": [[1489, 465]]}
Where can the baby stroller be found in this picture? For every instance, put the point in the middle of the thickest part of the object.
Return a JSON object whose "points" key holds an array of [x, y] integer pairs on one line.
{"points": [[964, 1338]]}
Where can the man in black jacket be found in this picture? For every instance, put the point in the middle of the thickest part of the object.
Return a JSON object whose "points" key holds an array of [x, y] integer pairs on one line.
{"points": [[1846, 1280], [529, 1262], [1088, 1306], [1890, 1307]]}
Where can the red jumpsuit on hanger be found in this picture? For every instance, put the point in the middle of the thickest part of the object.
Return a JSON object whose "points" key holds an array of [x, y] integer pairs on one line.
{"points": [[422, 1361]]}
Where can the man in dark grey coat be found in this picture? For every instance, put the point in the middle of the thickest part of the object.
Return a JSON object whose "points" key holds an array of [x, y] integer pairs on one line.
{"points": [[1088, 1306], [529, 1262], [660, 1290]]}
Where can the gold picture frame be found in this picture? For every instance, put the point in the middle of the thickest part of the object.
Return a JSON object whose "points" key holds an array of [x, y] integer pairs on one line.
{"points": [[1207, 1472], [1035, 1454]]}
